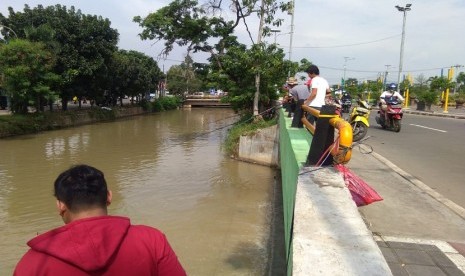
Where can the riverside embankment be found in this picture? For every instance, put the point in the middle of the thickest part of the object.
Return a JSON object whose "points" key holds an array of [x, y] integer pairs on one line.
{"points": [[32, 123]]}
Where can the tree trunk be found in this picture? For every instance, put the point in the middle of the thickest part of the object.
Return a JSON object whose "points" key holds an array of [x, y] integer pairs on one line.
{"points": [[257, 75]]}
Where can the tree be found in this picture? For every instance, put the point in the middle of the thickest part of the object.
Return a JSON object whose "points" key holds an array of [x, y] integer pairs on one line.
{"points": [[183, 79], [83, 45], [131, 73], [351, 86], [461, 82], [185, 23], [28, 77]]}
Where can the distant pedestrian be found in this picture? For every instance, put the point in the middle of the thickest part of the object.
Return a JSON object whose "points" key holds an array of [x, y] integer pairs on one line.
{"points": [[299, 92], [92, 242], [318, 91]]}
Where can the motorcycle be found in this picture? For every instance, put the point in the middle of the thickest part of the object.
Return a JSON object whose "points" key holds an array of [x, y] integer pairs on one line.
{"points": [[358, 119], [391, 118]]}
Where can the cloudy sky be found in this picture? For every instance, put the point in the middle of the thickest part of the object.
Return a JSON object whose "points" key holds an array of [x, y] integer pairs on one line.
{"points": [[362, 36]]}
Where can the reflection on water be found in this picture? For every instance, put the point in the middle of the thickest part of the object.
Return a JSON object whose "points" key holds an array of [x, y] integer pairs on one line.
{"points": [[165, 170]]}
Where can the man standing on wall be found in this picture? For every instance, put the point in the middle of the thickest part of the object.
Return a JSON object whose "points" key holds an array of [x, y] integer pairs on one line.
{"points": [[318, 91], [299, 92]]}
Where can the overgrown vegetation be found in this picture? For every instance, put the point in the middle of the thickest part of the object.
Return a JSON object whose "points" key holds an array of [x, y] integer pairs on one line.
{"points": [[245, 126]]}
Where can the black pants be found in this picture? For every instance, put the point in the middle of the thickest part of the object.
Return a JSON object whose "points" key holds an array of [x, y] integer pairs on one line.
{"points": [[298, 113]]}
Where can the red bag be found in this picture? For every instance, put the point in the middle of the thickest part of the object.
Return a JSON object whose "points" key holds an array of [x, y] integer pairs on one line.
{"points": [[361, 192]]}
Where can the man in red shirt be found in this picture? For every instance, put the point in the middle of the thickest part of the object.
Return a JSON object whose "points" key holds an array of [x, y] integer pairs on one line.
{"points": [[91, 242]]}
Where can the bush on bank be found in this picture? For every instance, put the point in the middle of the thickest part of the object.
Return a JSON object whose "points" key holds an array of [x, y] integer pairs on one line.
{"points": [[247, 125], [161, 104]]}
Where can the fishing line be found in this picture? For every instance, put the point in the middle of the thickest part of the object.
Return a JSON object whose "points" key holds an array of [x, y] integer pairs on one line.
{"points": [[220, 128]]}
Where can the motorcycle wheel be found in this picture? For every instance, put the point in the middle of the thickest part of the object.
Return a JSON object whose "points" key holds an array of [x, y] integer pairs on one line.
{"points": [[396, 125], [359, 130]]}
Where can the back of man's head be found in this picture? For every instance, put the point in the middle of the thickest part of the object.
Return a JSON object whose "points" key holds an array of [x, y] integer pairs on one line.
{"points": [[313, 69], [82, 187]]}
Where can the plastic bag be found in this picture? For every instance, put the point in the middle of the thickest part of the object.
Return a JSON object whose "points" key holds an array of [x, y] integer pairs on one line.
{"points": [[361, 192]]}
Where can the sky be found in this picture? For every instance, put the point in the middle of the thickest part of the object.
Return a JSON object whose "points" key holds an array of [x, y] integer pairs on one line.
{"points": [[346, 39]]}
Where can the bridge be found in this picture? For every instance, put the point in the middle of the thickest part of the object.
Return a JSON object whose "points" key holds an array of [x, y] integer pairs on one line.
{"points": [[208, 101]]}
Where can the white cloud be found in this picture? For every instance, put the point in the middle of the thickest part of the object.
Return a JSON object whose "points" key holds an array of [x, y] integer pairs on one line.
{"points": [[434, 33]]}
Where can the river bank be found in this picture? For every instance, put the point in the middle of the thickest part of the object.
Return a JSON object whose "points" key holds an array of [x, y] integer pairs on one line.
{"points": [[13, 125]]}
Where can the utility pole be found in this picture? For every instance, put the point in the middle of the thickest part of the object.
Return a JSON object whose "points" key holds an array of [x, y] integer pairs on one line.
{"points": [[385, 76], [344, 78], [275, 33]]}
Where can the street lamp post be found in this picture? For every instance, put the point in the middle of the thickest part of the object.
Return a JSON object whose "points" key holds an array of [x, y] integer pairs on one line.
{"points": [[404, 10], [344, 78], [292, 34]]}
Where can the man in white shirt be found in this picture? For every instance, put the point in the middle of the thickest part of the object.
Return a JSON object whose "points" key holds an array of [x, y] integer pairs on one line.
{"points": [[319, 89]]}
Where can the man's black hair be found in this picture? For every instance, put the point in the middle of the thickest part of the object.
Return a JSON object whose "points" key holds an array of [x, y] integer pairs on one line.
{"points": [[313, 69], [81, 187]]}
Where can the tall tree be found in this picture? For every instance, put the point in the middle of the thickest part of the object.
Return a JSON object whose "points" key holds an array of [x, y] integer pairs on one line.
{"points": [[131, 73], [183, 78], [27, 71], [84, 44], [186, 23]]}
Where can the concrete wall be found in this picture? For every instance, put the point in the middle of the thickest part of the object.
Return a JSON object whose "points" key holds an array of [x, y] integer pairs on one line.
{"points": [[325, 234], [261, 148]]}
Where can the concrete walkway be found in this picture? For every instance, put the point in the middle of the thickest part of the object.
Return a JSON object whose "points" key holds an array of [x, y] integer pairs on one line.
{"points": [[418, 230]]}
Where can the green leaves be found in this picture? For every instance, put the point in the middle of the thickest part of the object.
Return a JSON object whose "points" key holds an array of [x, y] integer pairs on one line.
{"points": [[28, 75]]}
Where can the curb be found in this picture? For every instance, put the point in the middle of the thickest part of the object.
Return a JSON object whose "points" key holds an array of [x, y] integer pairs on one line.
{"points": [[431, 113], [436, 114]]}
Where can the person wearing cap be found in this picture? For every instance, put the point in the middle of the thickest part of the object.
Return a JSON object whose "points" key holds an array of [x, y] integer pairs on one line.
{"points": [[318, 91], [299, 92]]}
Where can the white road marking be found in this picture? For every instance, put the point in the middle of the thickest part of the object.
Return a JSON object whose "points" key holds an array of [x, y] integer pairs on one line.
{"points": [[428, 128]]}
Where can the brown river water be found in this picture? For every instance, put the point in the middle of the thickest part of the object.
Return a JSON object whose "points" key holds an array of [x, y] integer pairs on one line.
{"points": [[166, 170]]}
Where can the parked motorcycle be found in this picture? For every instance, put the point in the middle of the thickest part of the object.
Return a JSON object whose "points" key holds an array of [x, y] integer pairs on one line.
{"points": [[358, 119], [391, 118]]}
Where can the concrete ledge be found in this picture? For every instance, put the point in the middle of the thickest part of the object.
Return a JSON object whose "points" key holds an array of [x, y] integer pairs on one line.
{"points": [[261, 148], [327, 235], [330, 237]]}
